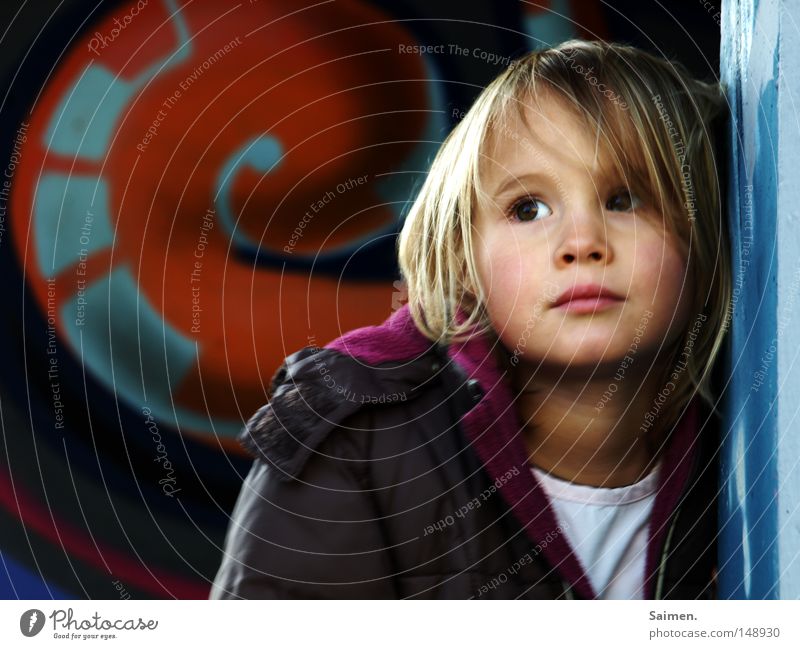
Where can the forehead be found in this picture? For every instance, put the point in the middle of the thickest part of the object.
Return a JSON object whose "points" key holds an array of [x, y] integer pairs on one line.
{"points": [[547, 133]]}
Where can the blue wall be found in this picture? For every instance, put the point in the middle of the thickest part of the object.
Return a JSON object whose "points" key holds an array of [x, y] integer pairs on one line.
{"points": [[749, 506]]}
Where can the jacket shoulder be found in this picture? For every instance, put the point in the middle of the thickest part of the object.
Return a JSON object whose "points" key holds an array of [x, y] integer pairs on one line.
{"points": [[314, 391]]}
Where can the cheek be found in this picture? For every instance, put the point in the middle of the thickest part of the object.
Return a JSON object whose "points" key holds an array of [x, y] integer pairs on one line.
{"points": [[497, 270], [660, 272], [508, 266], [514, 288]]}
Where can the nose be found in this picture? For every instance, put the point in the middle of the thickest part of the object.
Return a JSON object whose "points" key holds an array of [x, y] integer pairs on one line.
{"points": [[583, 238]]}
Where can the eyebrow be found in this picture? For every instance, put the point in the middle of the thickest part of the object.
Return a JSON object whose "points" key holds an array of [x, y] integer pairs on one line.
{"points": [[516, 180]]}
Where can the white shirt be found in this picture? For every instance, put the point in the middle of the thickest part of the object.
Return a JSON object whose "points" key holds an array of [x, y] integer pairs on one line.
{"points": [[607, 529]]}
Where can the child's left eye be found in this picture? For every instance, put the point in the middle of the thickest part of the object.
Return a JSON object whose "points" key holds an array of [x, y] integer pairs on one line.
{"points": [[623, 201]]}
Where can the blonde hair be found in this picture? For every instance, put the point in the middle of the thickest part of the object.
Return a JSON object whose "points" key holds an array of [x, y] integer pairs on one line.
{"points": [[655, 119]]}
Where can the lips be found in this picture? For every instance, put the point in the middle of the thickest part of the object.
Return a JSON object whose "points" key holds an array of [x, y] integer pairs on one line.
{"points": [[587, 296]]}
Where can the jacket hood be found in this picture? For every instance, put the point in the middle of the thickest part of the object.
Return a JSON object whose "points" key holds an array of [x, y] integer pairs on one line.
{"points": [[315, 389]]}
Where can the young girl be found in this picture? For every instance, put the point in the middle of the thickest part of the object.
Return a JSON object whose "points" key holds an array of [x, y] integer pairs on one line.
{"points": [[534, 423]]}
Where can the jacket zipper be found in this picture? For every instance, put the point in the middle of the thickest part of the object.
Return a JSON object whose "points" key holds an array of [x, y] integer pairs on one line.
{"points": [[663, 561]]}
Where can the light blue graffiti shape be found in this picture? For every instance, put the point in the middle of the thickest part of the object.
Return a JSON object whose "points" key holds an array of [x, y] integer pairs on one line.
{"points": [[110, 346], [84, 123], [262, 154], [83, 126], [71, 219]]}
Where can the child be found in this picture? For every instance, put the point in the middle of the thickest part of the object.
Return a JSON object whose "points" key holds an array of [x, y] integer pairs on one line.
{"points": [[533, 423]]}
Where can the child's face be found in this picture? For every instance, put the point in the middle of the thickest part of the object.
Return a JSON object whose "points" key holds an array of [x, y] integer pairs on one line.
{"points": [[552, 221]]}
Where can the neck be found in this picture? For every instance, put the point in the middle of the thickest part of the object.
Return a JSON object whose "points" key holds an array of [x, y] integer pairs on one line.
{"points": [[587, 430]]}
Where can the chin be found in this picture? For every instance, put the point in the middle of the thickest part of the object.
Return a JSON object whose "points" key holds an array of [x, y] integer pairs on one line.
{"points": [[579, 358]]}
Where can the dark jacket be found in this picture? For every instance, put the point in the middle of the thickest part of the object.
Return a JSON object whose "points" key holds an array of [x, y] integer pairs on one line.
{"points": [[390, 467]]}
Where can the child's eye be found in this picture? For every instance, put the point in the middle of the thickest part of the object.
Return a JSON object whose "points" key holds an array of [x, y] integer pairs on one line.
{"points": [[623, 201], [529, 209]]}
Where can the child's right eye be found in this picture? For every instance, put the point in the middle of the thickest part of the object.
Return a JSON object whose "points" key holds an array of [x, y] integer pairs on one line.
{"points": [[529, 209]]}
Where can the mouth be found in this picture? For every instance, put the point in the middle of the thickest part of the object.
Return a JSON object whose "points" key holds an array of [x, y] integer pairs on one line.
{"points": [[587, 298]]}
